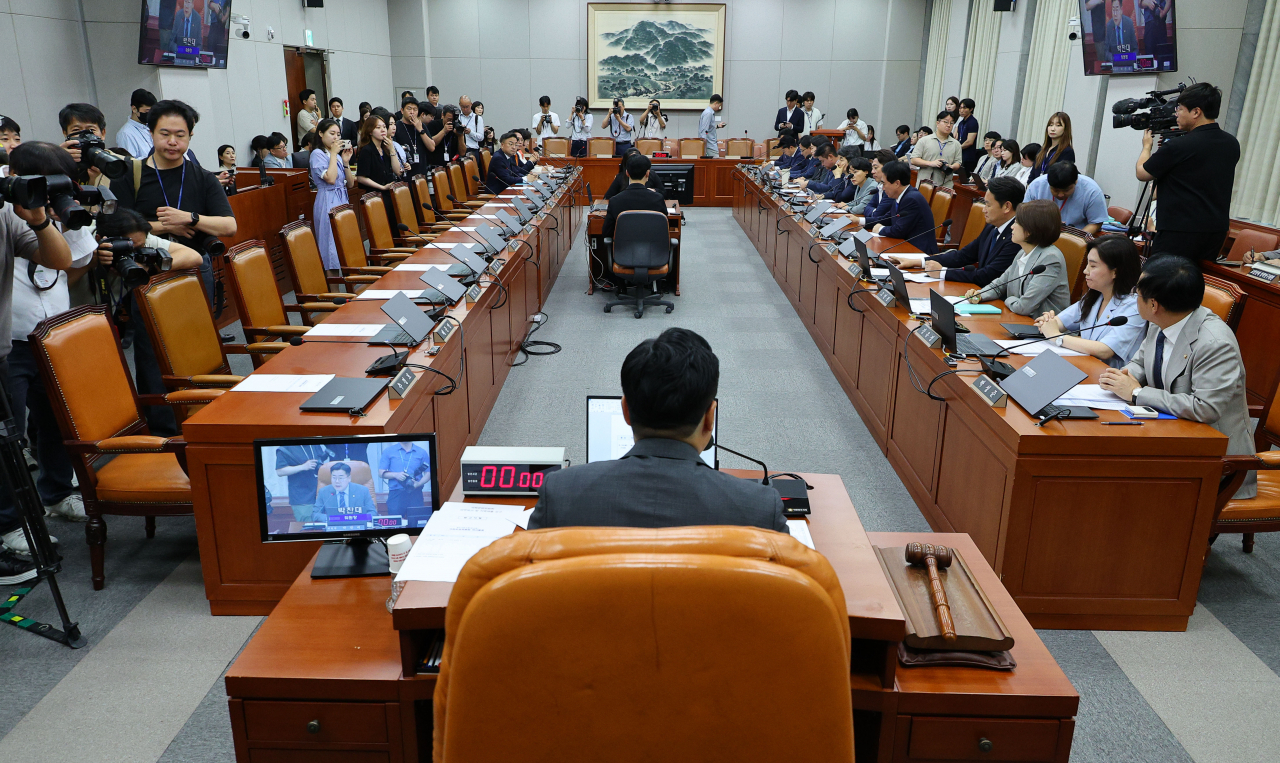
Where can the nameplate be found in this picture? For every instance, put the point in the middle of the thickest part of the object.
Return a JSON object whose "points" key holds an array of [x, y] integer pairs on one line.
{"points": [[443, 330], [400, 385], [855, 270], [990, 391], [473, 294], [886, 298], [830, 249], [930, 337], [1265, 276]]}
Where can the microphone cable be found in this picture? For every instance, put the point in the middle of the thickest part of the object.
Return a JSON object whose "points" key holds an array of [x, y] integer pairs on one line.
{"points": [[535, 347]]}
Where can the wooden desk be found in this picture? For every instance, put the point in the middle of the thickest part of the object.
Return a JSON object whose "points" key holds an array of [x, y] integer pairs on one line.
{"points": [[1257, 330], [357, 668], [712, 178], [597, 257], [245, 576], [1088, 526]]}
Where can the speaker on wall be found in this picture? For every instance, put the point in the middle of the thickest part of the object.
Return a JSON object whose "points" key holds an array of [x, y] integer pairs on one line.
{"points": [[313, 3], [1001, 5]]}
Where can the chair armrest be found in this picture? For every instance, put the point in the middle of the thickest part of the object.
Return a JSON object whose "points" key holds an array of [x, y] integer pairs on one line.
{"points": [[1265, 460], [316, 307], [136, 444], [328, 295], [284, 330], [264, 348], [389, 255], [395, 250], [192, 396], [204, 380]]}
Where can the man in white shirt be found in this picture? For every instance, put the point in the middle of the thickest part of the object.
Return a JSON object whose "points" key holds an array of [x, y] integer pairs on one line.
{"points": [[134, 136], [812, 117], [621, 127], [473, 125], [309, 117], [546, 122]]}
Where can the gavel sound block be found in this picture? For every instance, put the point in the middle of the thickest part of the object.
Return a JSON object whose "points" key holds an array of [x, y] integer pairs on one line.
{"points": [[932, 558]]}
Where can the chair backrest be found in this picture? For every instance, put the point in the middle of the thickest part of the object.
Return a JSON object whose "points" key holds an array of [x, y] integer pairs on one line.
{"points": [[361, 474], [555, 146], [302, 255], [739, 148], [1225, 299], [600, 147], [84, 372], [940, 205], [421, 195], [1268, 430], [974, 225], [1073, 244], [440, 190], [642, 239], [926, 190], [184, 337], [1250, 239], [691, 148], [457, 183], [1120, 214], [300, 160], [253, 286], [771, 149], [637, 626], [469, 175], [346, 237], [402, 197], [485, 157], [649, 146], [374, 211]]}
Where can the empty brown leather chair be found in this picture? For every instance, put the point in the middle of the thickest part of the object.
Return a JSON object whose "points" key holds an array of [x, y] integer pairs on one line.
{"points": [[1120, 214], [122, 469], [555, 147], [926, 190], [1250, 239], [485, 157], [402, 197], [388, 244], [649, 146], [651, 645], [972, 227], [1225, 299], [1073, 243], [740, 148], [940, 205], [440, 194], [598, 147], [771, 149], [458, 188], [263, 313], [691, 148], [310, 282], [471, 178], [1262, 513]]}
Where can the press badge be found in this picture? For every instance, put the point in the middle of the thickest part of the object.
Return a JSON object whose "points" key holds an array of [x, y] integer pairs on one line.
{"points": [[44, 278]]}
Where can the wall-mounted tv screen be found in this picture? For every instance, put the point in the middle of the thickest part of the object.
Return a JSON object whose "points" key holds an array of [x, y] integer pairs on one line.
{"points": [[1128, 36], [184, 33]]}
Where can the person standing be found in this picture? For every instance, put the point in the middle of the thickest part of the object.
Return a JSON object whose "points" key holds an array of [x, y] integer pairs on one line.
{"points": [[580, 128], [967, 134], [653, 123], [546, 122], [332, 176], [309, 117], [377, 163], [1098, 25], [133, 136], [938, 156], [406, 468], [1155, 34], [810, 116], [1056, 146], [790, 118], [350, 129], [472, 125], [300, 465], [621, 127], [411, 134], [708, 123]]}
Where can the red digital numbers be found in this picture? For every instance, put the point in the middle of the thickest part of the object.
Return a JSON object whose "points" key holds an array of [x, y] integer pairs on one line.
{"points": [[488, 476], [507, 477], [510, 478], [537, 480], [524, 479]]}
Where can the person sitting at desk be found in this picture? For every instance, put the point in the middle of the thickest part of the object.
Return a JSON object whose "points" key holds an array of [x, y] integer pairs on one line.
{"points": [[879, 206], [858, 189], [504, 168], [1252, 257], [341, 496], [1080, 201], [1189, 363], [1111, 272], [787, 143], [621, 181], [822, 178], [804, 162], [300, 464], [911, 219], [982, 260], [637, 194], [406, 468], [669, 400], [1036, 226]]}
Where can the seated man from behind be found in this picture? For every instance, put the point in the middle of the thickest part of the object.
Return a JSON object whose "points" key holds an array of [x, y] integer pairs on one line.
{"points": [[668, 398], [635, 195]]}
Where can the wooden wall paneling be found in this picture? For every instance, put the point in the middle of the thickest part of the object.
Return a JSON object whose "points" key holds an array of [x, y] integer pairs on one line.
{"points": [[478, 348], [797, 242], [916, 430], [847, 341], [825, 306], [877, 367], [808, 292], [972, 481], [453, 424]]}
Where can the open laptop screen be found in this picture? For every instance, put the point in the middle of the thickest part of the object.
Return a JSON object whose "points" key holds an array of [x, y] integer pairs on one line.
{"points": [[609, 437]]}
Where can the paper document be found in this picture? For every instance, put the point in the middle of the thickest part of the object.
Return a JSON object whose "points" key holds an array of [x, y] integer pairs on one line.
{"points": [[409, 268], [1035, 348], [453, 535], [921, 306], [909, 261], [881, 273], [799, 530], [461, 227], [388, 293], [472, 247], [283, 382], [345, 329], [919, 278], [1092, 396]]}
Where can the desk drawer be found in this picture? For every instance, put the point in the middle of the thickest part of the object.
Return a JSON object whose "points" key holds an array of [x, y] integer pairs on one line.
{"points": [[316, 756], [336, 722], [982, 739]]}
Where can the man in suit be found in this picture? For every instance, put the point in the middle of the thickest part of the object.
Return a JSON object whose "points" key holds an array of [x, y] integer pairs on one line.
{"points": [[986, 257], [635, 195], [350, 129], [914, 219], [790, 152], [340, 496], [1121, 37], [790, 117], [1189, 364], [822, 178], [669, 400], [804, 162], [504, 167], [186, 30]]}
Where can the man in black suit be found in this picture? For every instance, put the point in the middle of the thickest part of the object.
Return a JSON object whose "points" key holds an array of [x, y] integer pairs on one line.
{"points": [[990, 254], [635, 195], [350, 130], [790, 118], [504, 167], [914, 219], [669, 400]]}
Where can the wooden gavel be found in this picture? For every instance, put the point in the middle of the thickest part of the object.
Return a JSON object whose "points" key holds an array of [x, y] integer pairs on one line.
{"points": [[932, 557]]}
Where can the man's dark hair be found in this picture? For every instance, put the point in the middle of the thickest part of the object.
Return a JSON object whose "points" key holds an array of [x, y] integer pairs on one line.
{"points": [[1062, 174], [507, 134], [336, 100], [85, 113], [544, 100], [407, 94], [903, 129], [715, 98], [120, 223], [525, 133], [792, 95], [432, 90], [850, 152], [806, 141], [968, 103], [1202, 96], [142, 97], [637, 166], [897, 172], [925, 130], [1041, 221], [945, 115], [168, 108], [305, 94], [808, 96], [40, 158], [670, 382], [381, 111], [993, 135], [410, 101], [7, 124], [1006, 190], [786, 141], [1175, 282], [885, 155], [824, 150], [860, 163], [275, 140], [820, 140], [340, 467], [851, 114], [1031, 151]]}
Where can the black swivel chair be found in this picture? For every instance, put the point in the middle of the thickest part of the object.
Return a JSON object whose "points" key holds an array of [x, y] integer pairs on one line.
{"points": [[641, 247]]}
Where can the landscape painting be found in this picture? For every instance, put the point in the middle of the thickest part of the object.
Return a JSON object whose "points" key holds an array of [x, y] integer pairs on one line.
{"points": [[640, 51]]}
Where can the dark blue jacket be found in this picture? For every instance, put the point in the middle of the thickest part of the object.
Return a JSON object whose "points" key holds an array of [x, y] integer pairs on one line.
{"points": [[902, 148], [914, 221], [503, 171], [992, 257], [784, 162], [795, 117], [878, 209], [804, 166]]}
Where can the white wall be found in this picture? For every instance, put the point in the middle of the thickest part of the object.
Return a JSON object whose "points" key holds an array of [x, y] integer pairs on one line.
{"points": [[863, 53]]}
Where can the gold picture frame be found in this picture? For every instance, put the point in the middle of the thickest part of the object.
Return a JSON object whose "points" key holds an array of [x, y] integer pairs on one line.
{"points": [[641, 51]]}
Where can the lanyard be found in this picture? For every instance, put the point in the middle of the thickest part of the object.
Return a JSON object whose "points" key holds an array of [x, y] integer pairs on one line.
{"points": [[1048, 157], [181, 187]]}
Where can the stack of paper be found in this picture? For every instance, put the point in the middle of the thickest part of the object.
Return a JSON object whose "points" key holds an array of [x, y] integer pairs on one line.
{"points": [[918, 277], [283, 382], [345, 329], [388, 293], [1092, 396], [1034, 348], [411, 268], [799, 530], [453, 535]]}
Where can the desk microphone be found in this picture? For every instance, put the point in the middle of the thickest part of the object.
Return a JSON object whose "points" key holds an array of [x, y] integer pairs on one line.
{"points": [[1119, 320], [713, 444], [943, 224], [1037, 270], [387, 365], [447, 250]]}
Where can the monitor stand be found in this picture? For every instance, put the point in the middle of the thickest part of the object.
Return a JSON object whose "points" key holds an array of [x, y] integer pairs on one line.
{"points": [[354, 558]]}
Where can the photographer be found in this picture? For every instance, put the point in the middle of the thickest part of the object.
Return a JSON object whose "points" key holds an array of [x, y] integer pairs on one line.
{"points": [[1194, 174], [939, 155], [437, 136], [621, 127], [471, 127], [580, 128], [546, 122], [85, 129], [653, 123], [411, 134]]}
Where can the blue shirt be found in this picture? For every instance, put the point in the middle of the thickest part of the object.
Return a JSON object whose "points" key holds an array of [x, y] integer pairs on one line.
{"points": [[413, 462], [1124, 340], [707, 131], [1086, 205], [135, 138]]}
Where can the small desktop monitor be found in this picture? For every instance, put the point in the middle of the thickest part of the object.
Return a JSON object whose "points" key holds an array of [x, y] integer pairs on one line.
{"points": [[1124, 37], [676, 181], [191, 33], [609, 436], [367, 486]]}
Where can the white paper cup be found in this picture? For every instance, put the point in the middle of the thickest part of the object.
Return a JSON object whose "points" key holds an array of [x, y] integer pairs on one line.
{"points": [[397, 549]]}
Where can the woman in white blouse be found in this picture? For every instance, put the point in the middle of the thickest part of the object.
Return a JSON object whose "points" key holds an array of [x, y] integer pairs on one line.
{"points": [[580, 128], [653, 123], [1111, 273]]}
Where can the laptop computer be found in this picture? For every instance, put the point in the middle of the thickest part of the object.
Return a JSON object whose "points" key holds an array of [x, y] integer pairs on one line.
{"points": [[609, 436], [493, 238], [835, 226], [944, 322], [816, 210], [409, 324], [345, 395], [1046, 378], [446, 286], [512, 225], [522, 210], [473, 262], [898, 284], [1022, 330]]}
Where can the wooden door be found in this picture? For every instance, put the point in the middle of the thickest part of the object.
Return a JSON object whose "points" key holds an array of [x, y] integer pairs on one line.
{"points": [[295, 77]]}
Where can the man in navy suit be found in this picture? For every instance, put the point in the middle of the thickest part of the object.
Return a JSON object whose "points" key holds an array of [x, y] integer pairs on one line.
{"points": [[790, 117], [990, 254], [805, 163], [914, 219], [504, 167]]}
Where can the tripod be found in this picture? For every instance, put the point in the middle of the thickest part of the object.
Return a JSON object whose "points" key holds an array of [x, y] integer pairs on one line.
{"points": [[16, 481]]}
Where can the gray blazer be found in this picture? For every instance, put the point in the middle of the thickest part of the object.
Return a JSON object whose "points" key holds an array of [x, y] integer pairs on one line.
{"points": [[659, 483], [1205, 382], [1036, 294]]}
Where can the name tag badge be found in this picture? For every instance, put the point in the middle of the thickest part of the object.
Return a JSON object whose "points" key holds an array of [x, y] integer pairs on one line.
{"points": [[44, 278]]}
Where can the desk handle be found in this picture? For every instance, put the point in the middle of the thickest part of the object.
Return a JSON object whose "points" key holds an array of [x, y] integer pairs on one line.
{"points": [[313, 727], [985, 745]]}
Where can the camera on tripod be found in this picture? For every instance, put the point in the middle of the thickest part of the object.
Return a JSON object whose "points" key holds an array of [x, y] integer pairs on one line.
{"points": [[136, 264], [1159, 115], [94, 153]]}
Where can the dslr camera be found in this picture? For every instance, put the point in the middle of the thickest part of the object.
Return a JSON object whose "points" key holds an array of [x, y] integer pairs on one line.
{"points": [[67, 198], [1154, 113], [136, 264], [93, 153], [617, 109]]}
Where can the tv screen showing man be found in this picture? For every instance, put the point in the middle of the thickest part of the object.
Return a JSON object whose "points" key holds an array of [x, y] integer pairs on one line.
{"points": [[190, 33], [1128, 36]]}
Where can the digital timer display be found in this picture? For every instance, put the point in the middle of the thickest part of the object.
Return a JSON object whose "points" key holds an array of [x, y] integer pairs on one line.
{"points": [[505, 478]]}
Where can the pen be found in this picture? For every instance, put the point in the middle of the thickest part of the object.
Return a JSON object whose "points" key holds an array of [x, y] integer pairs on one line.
{"points": [[1122, 423]]}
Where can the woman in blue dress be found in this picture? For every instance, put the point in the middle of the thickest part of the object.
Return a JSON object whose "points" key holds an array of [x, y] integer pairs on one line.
{"points": [[332, 175], [1111, 273]]}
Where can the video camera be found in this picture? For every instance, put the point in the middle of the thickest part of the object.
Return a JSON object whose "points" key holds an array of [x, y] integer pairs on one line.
{"points": [[67, 198], [1159, 116], [136, 264], [94, 153]]}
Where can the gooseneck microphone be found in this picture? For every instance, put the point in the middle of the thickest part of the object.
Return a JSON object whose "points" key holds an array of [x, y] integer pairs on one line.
{"points": [[943, 224], [763, 481], [444, 248], [1037, 270], [1119, 320]]}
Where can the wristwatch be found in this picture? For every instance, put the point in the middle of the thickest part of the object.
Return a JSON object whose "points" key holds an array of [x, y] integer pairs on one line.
{"points": [[195, 218], [1057, 340]]}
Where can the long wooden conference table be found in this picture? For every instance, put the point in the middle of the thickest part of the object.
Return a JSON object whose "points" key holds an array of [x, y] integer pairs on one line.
{"points": [[1088, 526], [245, 576]]}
